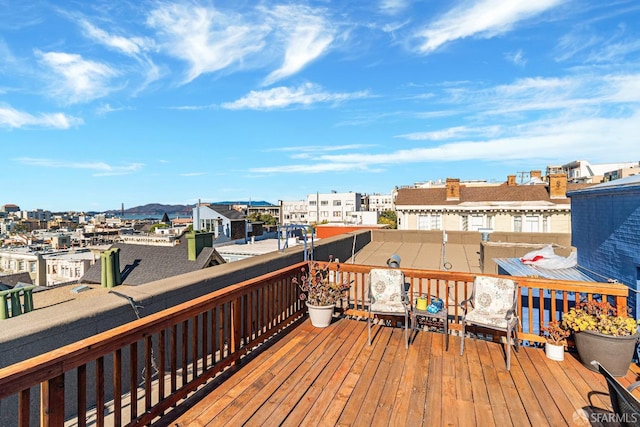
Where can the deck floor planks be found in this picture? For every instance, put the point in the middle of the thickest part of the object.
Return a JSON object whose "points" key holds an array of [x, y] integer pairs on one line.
{"points": [[329, 392], [599, 395], [363, 385], [427, 354], [243, 407], [375, 391], [391, 390], [400, 409], [335, 378], [237, 383], [282, 401], [494, 390], [512, 398], [333, 373]]}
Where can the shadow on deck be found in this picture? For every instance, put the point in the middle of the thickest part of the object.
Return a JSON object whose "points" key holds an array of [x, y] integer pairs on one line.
{"points": [[331, 376]]}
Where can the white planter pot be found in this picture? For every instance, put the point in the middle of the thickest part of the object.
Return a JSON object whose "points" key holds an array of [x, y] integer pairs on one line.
{"points": [[321, 315], [554, 352]]}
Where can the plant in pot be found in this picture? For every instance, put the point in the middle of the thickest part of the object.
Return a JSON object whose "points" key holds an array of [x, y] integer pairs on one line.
{"points": [[556, 338], [320, 291], [601, 334]]}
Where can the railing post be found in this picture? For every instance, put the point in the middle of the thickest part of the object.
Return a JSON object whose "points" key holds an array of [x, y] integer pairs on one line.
{"points": [[52, 402], [28, 300]]}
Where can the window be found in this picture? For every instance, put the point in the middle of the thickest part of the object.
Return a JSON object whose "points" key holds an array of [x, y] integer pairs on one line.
{"points": [[337, 214], [337, 203], [517, 224], [436, 222], [423, 222], [531, 224], [312, 203], [545, 224], [476, 221], [324, 214], [324, 203], [465, 223]]}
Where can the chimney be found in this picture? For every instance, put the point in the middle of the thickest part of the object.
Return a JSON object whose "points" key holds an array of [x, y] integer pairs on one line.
{"points": [[558, 186], [511, 180], [535, 174], [453, 189], [196, 242]]}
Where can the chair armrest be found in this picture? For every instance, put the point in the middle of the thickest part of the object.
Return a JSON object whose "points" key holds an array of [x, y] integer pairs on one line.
{"points": [[633, 386], [464, 303]]}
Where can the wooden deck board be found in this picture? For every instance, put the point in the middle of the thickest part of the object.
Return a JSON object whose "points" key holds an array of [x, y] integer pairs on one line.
{"points": [[331, 376]]}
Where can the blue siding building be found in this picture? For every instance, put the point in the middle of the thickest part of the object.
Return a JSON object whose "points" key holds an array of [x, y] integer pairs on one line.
{"points": [[605, 229]]}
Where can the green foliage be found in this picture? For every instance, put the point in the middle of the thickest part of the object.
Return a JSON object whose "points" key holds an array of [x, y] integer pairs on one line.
{"points": [[265, 218], [599, 317], [390, 218], [153, 228]]}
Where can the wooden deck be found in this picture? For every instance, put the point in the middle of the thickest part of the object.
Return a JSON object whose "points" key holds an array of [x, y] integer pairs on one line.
{"points": [[331, 376]]}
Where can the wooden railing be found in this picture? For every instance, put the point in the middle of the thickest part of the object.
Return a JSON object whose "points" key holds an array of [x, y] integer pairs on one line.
{"points": [[540, 300], [139, 371], [144, 368]]}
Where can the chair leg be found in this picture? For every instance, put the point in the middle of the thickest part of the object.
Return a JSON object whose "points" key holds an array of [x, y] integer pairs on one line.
{"points": [[369, 327], [509, 338], [515, 334], [462, 339], [406, 330]]}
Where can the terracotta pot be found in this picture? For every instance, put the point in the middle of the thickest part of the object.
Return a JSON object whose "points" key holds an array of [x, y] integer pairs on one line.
{"points": [[320, 315], [614, 353], [554, 351]]}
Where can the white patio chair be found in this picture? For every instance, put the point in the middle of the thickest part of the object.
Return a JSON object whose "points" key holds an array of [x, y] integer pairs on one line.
{"points": [[388, 297]]}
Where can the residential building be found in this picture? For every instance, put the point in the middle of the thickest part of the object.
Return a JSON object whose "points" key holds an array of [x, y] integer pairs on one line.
{"points": [[142, 264], [67, 266], [37, 214], [581, 171], [377, 202], [333, 207], [610, 250], [224, 221], [293, 212], [536, 206], [622, 172], [10, 208], [23, 259]]}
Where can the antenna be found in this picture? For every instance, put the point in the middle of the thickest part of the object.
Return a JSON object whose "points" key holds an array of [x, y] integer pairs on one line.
{"points": [[522, 175]]}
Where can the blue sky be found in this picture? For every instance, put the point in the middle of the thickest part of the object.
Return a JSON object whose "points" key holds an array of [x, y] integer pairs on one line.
{"points": [[134, 102]]}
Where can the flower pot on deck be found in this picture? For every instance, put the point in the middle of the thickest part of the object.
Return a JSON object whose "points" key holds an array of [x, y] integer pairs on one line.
{"points": [[554, 351], [613, 352], [320, 315]]}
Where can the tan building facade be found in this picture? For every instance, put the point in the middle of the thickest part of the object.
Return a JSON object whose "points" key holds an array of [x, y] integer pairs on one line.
{"points": [[539, 206]]}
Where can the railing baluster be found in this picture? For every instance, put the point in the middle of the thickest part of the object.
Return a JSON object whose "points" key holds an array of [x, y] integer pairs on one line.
{"points": [[148, 371], [133, 379], [205, 340], [100, 392], [117, 387], [174, 358], [194, 348], [24, 407], [162, 344], [184, 351], [81, 374], [52, 402]]}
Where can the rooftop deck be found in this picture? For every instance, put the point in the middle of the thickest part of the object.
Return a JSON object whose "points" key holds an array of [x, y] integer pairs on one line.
{"points": [[331, 376]]}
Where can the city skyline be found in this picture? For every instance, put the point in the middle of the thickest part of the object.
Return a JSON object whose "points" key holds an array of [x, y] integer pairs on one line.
{"points": [[128, 102]]}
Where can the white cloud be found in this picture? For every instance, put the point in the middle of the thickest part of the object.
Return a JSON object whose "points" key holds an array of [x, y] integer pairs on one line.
{"points": [[517, 58], [10, 117], [79, 80], [452, 132], [307, 35], [479, 18], [393, 7], [129, 46], [100, 168], [206, 39], [282, 97]]}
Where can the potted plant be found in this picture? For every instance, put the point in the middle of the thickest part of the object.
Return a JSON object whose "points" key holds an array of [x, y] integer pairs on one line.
{"points": [[601, 334], [556, 338], [320, 292]]}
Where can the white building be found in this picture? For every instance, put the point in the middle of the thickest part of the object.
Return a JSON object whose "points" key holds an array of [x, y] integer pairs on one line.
{"points": [[333, 207], [378, 202], [581, 171], [65, 267], [293, 212]]}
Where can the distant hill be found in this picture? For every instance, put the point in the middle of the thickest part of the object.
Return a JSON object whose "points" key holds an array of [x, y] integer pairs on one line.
{"points": [[160, 209]]}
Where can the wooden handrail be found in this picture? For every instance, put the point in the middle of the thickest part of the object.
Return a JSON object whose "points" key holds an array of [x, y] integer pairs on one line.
{"points": [[196, 340]]}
